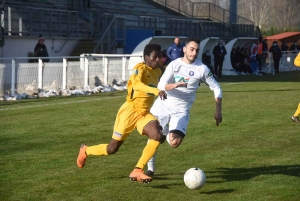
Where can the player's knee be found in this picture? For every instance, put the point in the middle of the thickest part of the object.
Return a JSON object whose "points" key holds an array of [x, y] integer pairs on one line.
{"points": [[162, 139], [175, 144], [156, 137]]}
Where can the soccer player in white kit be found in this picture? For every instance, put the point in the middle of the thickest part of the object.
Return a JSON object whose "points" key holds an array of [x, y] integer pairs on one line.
{"points": [[181, 79]]}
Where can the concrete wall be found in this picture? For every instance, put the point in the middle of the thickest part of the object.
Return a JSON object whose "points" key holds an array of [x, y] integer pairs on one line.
{"points": [[21, 46]]}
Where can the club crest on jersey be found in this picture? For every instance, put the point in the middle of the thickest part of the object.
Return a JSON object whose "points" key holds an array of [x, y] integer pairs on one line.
{"points": [[191, 73], [136, 72], [181, 79]]}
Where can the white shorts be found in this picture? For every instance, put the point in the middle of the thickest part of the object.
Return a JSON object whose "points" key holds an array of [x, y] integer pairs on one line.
{"points": [[176, 118]]}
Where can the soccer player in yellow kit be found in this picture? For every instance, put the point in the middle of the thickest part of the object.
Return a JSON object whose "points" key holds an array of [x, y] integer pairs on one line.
{"points": [[135, 114], [297, 113]]}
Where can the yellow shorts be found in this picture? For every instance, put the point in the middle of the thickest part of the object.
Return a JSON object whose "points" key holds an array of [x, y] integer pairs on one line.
{"points": [[128, 119]]}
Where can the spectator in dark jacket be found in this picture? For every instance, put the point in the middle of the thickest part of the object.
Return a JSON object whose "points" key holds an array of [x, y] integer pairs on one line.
{"points": [[276, 54], [40, 49], [264, 55], [219, 53], [295, 47], [284, 47], [176, 50], [206, 59]]}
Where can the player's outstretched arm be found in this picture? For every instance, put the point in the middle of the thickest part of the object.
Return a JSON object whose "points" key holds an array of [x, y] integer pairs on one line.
{"points": [[218, 113], [171, 86]]}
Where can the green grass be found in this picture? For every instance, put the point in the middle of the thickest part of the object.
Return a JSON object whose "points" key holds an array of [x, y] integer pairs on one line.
{"points": [[253, 155]]}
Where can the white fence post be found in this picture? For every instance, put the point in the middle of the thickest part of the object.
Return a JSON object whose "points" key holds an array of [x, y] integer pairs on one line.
{"points": [[64, 84], [124, 68], [40, 76], [2, 20], [86, 72], [13, 76], [105, 70], [20, 26], [9, 20]]}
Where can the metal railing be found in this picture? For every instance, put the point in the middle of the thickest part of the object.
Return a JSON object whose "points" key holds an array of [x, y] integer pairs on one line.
{"points": [[203, 10], [114, 33], [26, 21], [21, 75]]}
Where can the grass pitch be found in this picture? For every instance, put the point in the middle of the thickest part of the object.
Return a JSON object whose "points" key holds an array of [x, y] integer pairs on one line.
{"points": [[253, 155]]}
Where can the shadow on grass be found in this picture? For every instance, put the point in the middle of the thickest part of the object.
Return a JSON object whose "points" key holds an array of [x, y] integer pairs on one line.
{"points": [[238, 174], [218, 191]]}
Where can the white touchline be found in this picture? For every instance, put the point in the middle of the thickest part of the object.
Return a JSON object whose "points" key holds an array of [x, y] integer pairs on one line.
{"points": [[62, 103]]}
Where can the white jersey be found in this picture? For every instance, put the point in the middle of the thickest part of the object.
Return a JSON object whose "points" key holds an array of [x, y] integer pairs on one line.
{"points": [[177, 71]]}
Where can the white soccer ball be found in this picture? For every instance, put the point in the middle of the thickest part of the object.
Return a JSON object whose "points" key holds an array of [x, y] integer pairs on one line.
{"points": [[194, 178]]}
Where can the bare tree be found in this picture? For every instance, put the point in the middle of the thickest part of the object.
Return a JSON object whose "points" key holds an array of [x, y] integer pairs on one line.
{"points": [[255, 10], [286, 13]]}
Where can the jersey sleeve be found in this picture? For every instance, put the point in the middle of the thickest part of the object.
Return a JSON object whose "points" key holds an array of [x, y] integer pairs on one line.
{"points": [[139, 85], [166, 77], [210, 81]]}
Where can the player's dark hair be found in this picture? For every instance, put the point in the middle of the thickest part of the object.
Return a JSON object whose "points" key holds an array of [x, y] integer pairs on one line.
{"points": [[192, 39], [150, 48]]}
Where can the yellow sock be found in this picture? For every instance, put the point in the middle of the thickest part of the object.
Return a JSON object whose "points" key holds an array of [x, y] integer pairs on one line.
{"points": [[98, 150], [297, 111], [148, 152]]}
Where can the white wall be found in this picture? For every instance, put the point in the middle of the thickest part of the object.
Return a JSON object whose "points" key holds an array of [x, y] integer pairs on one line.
{"points": [[21, 46]]}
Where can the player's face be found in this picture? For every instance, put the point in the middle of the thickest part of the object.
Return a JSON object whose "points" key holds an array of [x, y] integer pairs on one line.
{"points": [[152, 60], [191, 51]]}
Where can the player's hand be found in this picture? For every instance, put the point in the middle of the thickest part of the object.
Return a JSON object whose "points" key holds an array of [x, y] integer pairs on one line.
{"points": [[162, 95], [218, 118], [181, 84]]}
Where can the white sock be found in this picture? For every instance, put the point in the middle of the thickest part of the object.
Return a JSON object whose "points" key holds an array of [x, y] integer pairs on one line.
{"points": [[166, 133], [168, 138], [151, 163]]}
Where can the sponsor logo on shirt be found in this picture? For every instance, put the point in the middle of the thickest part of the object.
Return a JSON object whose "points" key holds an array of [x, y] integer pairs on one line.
{"points": [[136, 72], [210, 74], [117, 134], [181, 79]]}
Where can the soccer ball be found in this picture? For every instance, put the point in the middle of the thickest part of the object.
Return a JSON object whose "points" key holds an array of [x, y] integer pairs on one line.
{"points": [[194, 178]]}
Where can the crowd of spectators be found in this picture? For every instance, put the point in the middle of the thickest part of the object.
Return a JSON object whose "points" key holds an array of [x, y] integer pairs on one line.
{"points": [[251, 60], [247, 60]]}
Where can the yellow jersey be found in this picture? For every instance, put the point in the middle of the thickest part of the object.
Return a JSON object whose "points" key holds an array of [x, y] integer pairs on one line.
{"points": [[142, 86]]}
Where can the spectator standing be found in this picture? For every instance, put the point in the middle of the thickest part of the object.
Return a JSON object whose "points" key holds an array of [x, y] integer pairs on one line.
{"points": [[40, 49], [176, 50], [219, 53], [294, 47], [259, 54], [264, 55], [234, 58], [253, 62], [284, 47], [163, 60], [276, 54], [206, 59]]}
